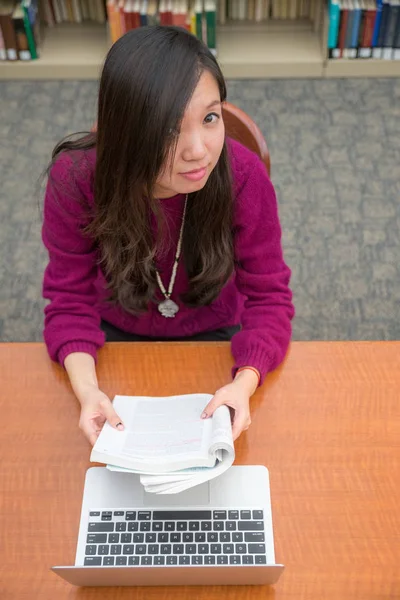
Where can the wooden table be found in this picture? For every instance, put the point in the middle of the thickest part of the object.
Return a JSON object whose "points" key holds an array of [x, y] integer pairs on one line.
{"points": [[327, 425]]}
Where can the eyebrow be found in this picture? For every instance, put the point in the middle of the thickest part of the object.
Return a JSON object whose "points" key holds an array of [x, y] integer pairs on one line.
{"points": [[214, 103]]}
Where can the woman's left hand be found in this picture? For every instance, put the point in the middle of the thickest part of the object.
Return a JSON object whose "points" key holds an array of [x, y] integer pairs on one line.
{"points": [[235, 395]]}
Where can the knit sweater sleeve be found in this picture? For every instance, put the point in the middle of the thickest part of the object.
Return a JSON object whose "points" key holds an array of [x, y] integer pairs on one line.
{"points": [[261, 275], [72, 321]]}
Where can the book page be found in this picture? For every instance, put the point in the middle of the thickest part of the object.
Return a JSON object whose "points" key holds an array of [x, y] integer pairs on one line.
{"points": [[159, 430], [221, 436]]}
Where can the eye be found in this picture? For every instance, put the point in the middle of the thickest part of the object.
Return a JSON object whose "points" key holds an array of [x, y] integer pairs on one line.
{"points": [[212, 118]]}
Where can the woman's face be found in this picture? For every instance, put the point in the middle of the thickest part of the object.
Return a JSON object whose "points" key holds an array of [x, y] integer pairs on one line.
{"points": [[200, 142]]}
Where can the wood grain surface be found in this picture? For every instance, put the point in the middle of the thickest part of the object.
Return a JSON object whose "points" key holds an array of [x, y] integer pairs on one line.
{"points": [[326, 424]]}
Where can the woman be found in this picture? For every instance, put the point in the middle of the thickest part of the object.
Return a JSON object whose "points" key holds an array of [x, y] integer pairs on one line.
{"points": [[157, 227]]}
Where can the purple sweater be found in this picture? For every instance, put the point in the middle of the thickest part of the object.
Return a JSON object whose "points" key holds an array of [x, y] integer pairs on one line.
{"points": [[257, 296]]}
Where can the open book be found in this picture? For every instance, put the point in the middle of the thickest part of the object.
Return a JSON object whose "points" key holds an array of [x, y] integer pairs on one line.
{"points": [[166, 441]]}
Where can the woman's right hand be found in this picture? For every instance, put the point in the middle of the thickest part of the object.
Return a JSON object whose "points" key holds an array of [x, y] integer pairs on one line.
{"points": [[96, 410]]}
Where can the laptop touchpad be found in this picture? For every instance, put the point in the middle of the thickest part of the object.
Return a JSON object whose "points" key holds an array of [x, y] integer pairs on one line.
{"points": [[197, 496]]}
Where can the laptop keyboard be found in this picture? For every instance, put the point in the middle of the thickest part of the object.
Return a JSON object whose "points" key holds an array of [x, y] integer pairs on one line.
{"points": [[175, 537]]}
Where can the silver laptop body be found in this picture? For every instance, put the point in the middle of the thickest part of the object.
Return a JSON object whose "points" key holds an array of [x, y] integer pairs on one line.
{"points": [[217, 533]]}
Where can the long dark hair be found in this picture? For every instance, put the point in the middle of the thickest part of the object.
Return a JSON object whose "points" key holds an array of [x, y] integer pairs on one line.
{"points": [[148, 79]]}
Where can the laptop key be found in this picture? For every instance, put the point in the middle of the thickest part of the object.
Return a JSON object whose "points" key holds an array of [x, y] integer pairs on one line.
{"points": [[189, 548], [212, 536], [126, 538], [235, 560], [153, 548], [106, 515], [219, 514], [261, 560], [247, 559], [144, 515], [230, 526], [116, 549], [228, 548], [128, 549], [245, 514], [184, 560], [254, 536], [132, 526], [206, 526], [113, 538], [218, 525], [133, 561], [251, 525], [166, 549], [121, 561], [100, 527], [140, 549], [187, 537], [159, 560], [138, 538], [92, 561], [237, 536], [170, 526], [216, 548], [130, 515], [197, 560], [240, 548], [118, 513], [156, 526], [151, 538], [222, 560], [91, 550], [203, 548], [108, 561], [94, 513], [120, 526], [181, 526], [200, 537], [194, 526], [256, 548], [233, 514], [177, 548], [96, 538], [209, 560], [162, 538], [224, 537], [175, 538], [172, 560], [103, 549], [145, 526], [258, 514], [146, 560]]}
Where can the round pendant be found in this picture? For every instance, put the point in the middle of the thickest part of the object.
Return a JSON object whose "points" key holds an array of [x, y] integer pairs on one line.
{"points": [[168, 308]]}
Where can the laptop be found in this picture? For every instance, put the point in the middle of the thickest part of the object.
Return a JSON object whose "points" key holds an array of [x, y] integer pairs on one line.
{"points": [[217, 533]]}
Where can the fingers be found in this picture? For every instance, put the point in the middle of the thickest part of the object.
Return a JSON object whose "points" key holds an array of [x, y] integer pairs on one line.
{"points": [[110, 414], [212, 406], [241, 422]]}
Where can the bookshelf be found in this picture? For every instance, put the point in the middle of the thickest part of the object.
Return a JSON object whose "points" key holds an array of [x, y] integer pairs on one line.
{"points": [[274, 49]]}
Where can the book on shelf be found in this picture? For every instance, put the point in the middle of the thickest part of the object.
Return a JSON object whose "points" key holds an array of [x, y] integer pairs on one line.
{"points": [[363, 29], [19, 30], [166, 442]]}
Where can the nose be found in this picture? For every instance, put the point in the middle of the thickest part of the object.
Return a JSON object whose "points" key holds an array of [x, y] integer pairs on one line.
{"points": [[194, 147]]}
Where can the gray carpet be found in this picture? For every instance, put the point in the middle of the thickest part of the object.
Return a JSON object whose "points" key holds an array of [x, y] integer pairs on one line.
{"points": [[335, 148]]}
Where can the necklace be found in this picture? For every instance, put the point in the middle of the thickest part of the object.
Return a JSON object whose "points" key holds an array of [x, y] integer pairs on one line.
{"points": [[168, 308]]}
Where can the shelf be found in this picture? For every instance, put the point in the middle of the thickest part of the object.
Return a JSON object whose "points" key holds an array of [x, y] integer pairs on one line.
{"points": [[274, 49], [68, 52], [269, 51], [362, 68]]}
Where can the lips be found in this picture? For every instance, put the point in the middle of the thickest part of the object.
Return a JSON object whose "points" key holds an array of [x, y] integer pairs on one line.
{"points": [[196, 174]]}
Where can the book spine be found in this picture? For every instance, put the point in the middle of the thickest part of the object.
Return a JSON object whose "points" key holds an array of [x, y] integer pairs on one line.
{"points": [[396, 43], [20, 34], [355, 30], [199, 18], [211, 18], [349, 29], [376, 50], [10, 40], [383, 27], [344, 16], [389, 38], [30, 17], [334, 17]]}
